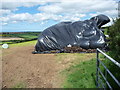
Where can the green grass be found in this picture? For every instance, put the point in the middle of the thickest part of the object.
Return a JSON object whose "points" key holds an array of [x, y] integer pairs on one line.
{"points": [[75, 58], [80, 71], [27, 36], [19, 85], [105, 31], [22, 44], [81, 75], [5, 42]]}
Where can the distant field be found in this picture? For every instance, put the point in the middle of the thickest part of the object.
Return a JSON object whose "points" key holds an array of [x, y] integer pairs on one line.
{"points": [[26, 35], [11, 38]]}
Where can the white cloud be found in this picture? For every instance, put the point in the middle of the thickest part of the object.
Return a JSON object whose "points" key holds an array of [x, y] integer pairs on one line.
{"points": [[72, 17], [70, 8], [13, 4], [9, 5], [63, 6], [39, 17], [78, 8], [4, 19], [60, 10], [93, 14], [4, 23], [14, 21], [4, 12], [44, 16], [20, 17], [112, 13], [51, 9], [14, 18]]}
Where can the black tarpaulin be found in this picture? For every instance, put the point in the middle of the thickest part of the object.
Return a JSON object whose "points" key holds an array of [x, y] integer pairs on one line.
{"points": [[86, 34]]}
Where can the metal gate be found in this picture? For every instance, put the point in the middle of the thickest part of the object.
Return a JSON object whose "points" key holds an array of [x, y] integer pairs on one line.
{"points": [[101, 79]]}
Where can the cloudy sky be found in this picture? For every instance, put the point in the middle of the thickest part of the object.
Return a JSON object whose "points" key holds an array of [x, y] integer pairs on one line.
{"points": [[36, 15]]}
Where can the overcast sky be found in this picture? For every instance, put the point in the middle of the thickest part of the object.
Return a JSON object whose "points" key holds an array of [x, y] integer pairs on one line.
{"points": [[36, 15]]}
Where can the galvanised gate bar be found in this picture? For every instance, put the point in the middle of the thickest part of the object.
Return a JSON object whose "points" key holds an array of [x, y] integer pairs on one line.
{"points": [[101, 79]]}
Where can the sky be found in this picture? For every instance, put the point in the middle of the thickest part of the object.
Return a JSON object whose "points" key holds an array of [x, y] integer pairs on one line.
{"points": [[37, 15]]}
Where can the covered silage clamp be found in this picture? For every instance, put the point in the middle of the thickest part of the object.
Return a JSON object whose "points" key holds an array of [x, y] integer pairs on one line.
{"points": [[85, 34]]}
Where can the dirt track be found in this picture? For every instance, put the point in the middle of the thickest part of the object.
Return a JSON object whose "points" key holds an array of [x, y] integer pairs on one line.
{"points": [[31, 70]]}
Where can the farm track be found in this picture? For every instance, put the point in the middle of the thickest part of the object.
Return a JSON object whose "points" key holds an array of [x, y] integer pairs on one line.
{"points": [[33, 70], [21, 67]]}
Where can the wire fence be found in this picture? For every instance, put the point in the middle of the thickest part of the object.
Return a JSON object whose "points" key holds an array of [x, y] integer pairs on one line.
{"points": [[102, 77]]}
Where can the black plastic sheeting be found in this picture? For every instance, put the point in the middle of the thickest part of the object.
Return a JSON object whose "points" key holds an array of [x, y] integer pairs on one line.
{"points": [[86, 34]]}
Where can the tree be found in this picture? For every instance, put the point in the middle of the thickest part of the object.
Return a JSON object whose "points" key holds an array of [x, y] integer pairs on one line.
{"points": [[114, 44]]}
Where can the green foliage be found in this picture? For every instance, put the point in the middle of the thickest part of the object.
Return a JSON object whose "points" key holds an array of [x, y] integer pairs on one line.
{"points": [[114, 52], [105, 30], [114, 44]]}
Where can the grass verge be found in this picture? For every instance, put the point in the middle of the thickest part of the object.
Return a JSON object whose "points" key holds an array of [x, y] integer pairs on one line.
{"points": [[81, 75], [79, 70]]}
